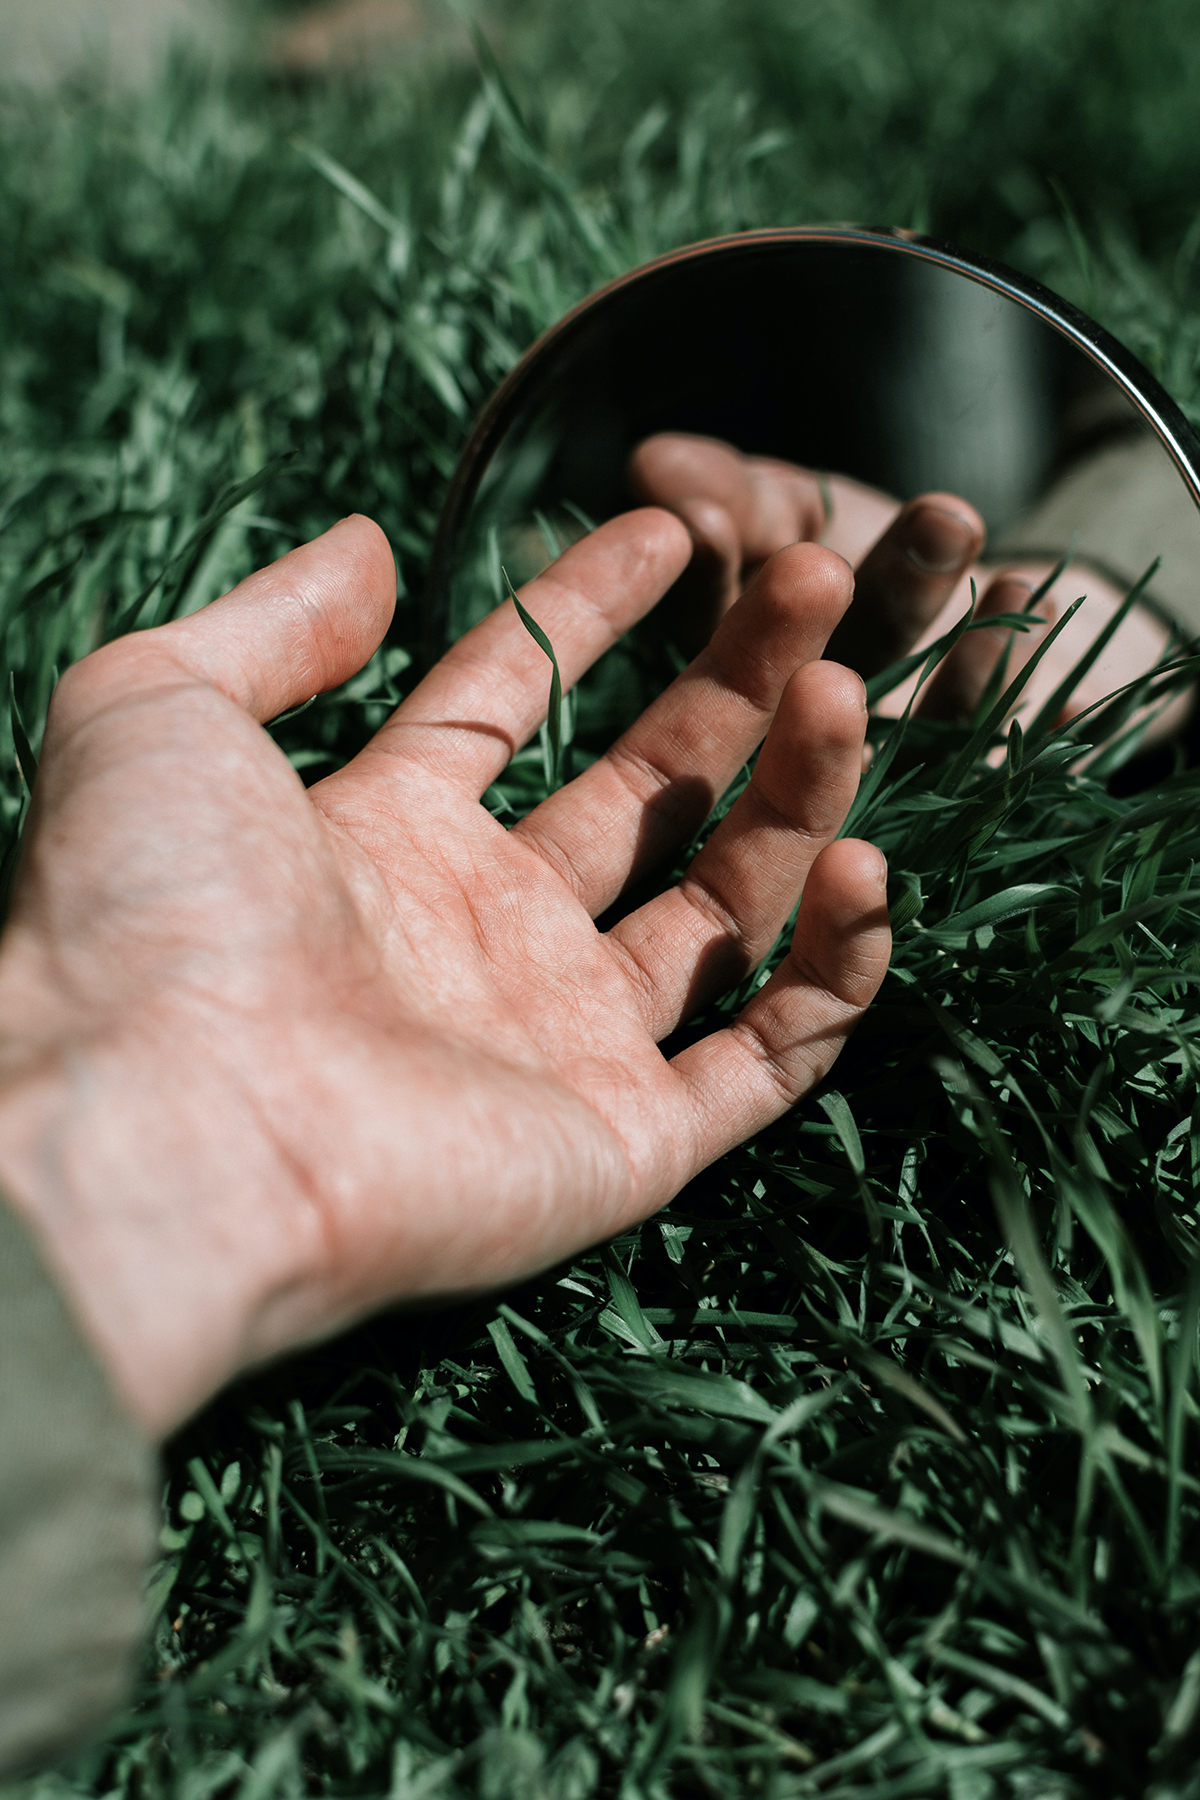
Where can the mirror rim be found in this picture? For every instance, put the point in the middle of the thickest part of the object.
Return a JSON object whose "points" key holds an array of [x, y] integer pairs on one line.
{"points": [[1147, 395]]}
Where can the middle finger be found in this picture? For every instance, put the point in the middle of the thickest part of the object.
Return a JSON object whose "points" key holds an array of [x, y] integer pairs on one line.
{"points": [[660, 780]]}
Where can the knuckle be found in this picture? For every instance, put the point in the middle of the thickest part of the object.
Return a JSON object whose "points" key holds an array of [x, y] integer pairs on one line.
{"points": [[81, 684], [113, 670], [788, 1074], [705, 899], [641, 976]]}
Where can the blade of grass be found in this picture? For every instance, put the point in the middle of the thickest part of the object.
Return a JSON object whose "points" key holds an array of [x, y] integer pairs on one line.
{"points": [[555, 747]]}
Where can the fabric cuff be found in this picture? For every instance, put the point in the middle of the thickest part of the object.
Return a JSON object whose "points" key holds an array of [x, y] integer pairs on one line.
{"points": [[78, 1505], [1123, 505]]}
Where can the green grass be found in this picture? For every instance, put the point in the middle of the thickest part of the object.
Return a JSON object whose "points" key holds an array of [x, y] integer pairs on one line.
{"points": [[870, 1468]]}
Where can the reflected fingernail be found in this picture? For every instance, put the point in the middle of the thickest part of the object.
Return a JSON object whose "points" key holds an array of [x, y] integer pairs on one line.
{"points": [[937, 542]]}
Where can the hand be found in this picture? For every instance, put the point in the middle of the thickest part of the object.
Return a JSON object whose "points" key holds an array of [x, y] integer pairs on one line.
{"points": [[272, 1058], [909, 561], [957, 685], [914, 565]]}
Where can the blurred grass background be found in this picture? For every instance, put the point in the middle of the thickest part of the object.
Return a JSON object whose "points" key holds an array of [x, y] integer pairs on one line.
{"points": [[870, 1469]]}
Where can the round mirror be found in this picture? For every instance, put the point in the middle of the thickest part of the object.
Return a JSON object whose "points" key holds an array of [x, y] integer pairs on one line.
{"points": [[879, 355]]}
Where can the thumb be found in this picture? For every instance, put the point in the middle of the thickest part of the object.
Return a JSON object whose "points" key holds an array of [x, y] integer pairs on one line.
{"points": [[301, 626]]}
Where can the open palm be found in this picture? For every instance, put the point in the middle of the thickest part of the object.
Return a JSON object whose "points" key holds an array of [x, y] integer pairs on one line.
{"points": [[273, 1057]]}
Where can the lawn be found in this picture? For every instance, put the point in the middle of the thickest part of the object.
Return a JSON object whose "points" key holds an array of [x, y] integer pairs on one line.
{"points": [[870, 1468]]}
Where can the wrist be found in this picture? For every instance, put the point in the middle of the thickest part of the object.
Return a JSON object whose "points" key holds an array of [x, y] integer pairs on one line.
{"points": [[162, 1212]]}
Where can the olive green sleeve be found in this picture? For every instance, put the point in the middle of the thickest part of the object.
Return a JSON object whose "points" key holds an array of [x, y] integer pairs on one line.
{"points": [[1123, 505], [77, 1522]]}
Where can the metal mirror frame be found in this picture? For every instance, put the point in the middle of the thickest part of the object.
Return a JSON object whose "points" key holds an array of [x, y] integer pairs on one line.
{"points": [[501, 412]]}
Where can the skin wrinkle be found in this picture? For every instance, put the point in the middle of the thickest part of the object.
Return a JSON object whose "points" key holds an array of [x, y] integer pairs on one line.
{"points": [[799, 587], [703, 900], [473, 668], [448, 989], [362, 877], [554, 855], [762, 704], [813, 978], [771, 1063], [559, 985], [774, 819], [692, 732], [302, 674], [707, 903], [196, 928], [182, 937], [484, 670], [799, 970], [658, 802], [305, 1184], [139, 704], [655, 1168], [772, 823], [625, 760], [725, 913], [636, 972], [310, 1186], [737, 951], [660, 799], [503, 1134], [418, 741], [124, 697]]}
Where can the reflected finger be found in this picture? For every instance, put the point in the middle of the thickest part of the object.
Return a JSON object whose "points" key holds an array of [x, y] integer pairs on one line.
{"points": [[906, 579], [710, 584], [957, 685], [772, 504]]}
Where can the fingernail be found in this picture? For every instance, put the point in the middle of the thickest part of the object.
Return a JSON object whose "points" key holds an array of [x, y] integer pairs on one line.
{"points": [[883, 868], [937, 542]]}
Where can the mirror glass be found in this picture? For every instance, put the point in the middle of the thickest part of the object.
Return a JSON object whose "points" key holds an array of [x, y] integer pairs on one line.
{"points": [[874, 354]]}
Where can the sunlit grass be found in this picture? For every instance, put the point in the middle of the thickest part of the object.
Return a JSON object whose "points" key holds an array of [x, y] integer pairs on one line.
{"points": [[869, 1468]]}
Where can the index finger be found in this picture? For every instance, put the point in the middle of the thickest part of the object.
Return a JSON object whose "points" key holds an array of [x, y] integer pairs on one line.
{"points": [[488, 695]]}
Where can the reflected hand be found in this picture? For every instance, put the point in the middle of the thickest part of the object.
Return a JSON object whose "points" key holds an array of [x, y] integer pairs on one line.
{"points": [[914, 565], [908, 560], [273, 1057]]}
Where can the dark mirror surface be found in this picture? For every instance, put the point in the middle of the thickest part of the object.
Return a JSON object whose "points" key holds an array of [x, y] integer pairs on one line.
{"points": [[867, 354]]}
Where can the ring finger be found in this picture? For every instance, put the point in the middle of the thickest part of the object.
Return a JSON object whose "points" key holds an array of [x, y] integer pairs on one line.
{"points": [[700, 938]]}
